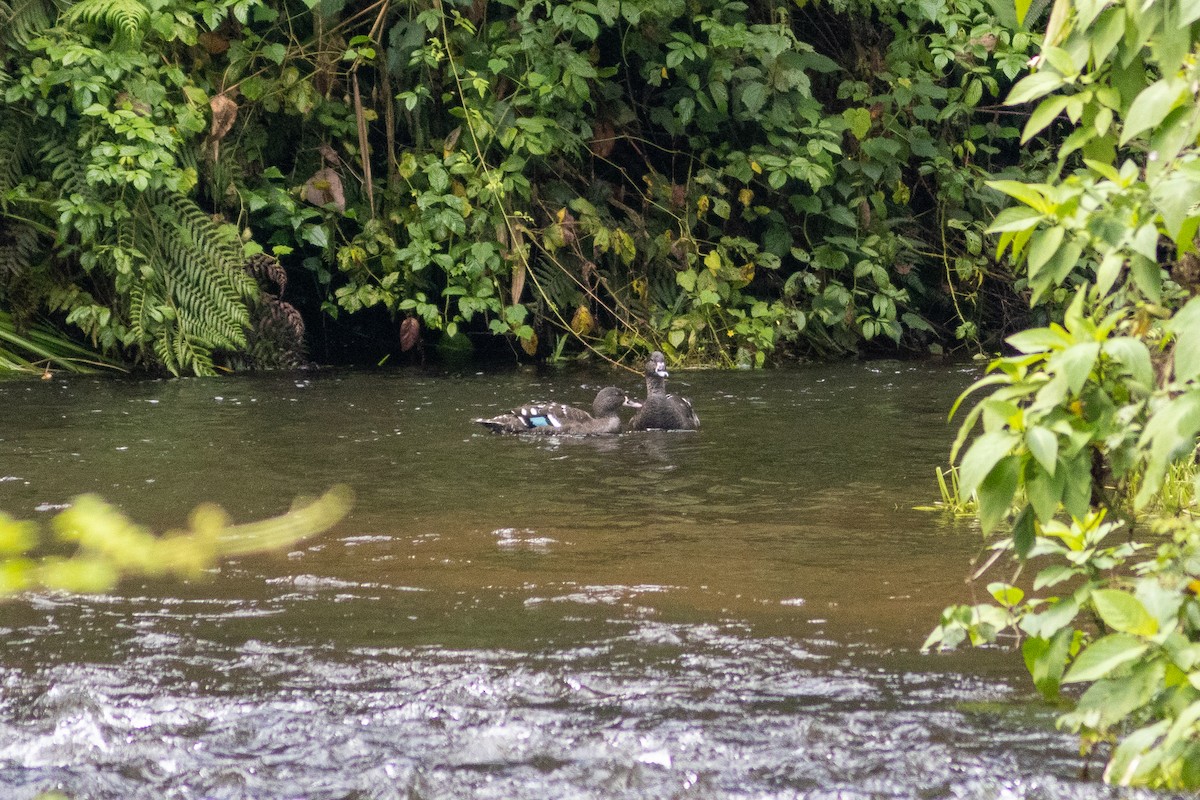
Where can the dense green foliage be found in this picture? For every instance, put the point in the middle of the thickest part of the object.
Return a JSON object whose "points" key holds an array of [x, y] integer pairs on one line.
{"points": [[1086, 422], [720, 180], [92, 545]]}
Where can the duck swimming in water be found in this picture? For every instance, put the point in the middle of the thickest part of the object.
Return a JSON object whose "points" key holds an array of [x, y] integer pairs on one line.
{"points": [[560, 419], [662, 411]]}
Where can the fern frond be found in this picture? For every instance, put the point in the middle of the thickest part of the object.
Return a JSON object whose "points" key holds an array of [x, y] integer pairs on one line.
{"points": [[138, 316], [555, 283], [201, 268], [125, 18], [24, 20], [14, 151], [165, 352], [219, 241], [20, 247]]}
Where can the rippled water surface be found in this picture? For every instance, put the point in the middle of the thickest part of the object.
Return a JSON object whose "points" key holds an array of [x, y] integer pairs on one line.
{"points": [[734, 613]]}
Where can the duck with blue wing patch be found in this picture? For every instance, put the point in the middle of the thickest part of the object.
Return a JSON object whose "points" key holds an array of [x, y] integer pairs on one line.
{"points": [[564, 420]]}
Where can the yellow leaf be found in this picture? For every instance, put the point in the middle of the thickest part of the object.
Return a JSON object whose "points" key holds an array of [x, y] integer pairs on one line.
{"points": [[702, 203], [745, 196], [754, 165], [583, 322], [642, 288], [664, 72]]}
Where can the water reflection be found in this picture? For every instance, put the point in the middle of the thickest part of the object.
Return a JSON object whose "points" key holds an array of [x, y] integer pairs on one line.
{"points": [[727, 613]]}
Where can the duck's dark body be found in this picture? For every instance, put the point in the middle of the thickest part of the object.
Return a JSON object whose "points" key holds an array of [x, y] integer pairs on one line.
{"points": [[556, 418], [662, 411]]}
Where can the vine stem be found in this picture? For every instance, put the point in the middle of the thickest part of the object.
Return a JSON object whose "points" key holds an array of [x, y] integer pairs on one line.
{"points": [[511, 229]]}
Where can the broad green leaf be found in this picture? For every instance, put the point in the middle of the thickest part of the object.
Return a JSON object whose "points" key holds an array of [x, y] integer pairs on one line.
{"points": [[1039, 340], [1077, 488], [1123, 612], [1046, 659], [1174, 198], [1031, 87], [1060, 60], [1145, 241], [1171, 41], [754, 96], [1130, 754], [1152, 105], [1006, 594], [1182, 728], [1054, 619], [1106, 33], [1133, 355], [1043, 444], [858, 121], [981, 456], [1170, 435], [1163, 604], [1109, 701], [1086, 11], [1045, 491], [1043, 115], [1063, 262], [1189, 11], [1075, 364], [1147, 277], [1108, 271], [1186, 327], [1054, 575], [1031, 194], [1024, 532], [1016, 218], [1042, 247], [996, 492], [1105, 655]]}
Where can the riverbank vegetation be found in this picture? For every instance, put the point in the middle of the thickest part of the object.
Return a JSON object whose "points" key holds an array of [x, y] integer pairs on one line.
{"points": [[726, 182]]}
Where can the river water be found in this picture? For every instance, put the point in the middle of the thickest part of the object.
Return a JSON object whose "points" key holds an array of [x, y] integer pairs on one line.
{"points": [[733, 613]]}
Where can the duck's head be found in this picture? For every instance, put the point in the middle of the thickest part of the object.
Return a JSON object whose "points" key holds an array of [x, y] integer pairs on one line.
{"points": [[656, 365], [610, 398]]}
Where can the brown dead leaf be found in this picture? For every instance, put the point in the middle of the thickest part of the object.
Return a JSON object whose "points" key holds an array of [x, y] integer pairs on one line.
{"points": [[566, 221], [324, 188], [224, 114], [410, 332], [518, 281], [213, 42], [451, 141], [604, 138], [530, 345], [678, 195]]}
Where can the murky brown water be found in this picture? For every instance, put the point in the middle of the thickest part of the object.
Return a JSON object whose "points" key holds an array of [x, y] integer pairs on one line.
{"points": [[728, 614]]}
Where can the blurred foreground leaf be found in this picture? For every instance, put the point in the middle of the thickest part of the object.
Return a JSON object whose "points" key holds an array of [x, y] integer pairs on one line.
{"points": [[92, 545]]}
